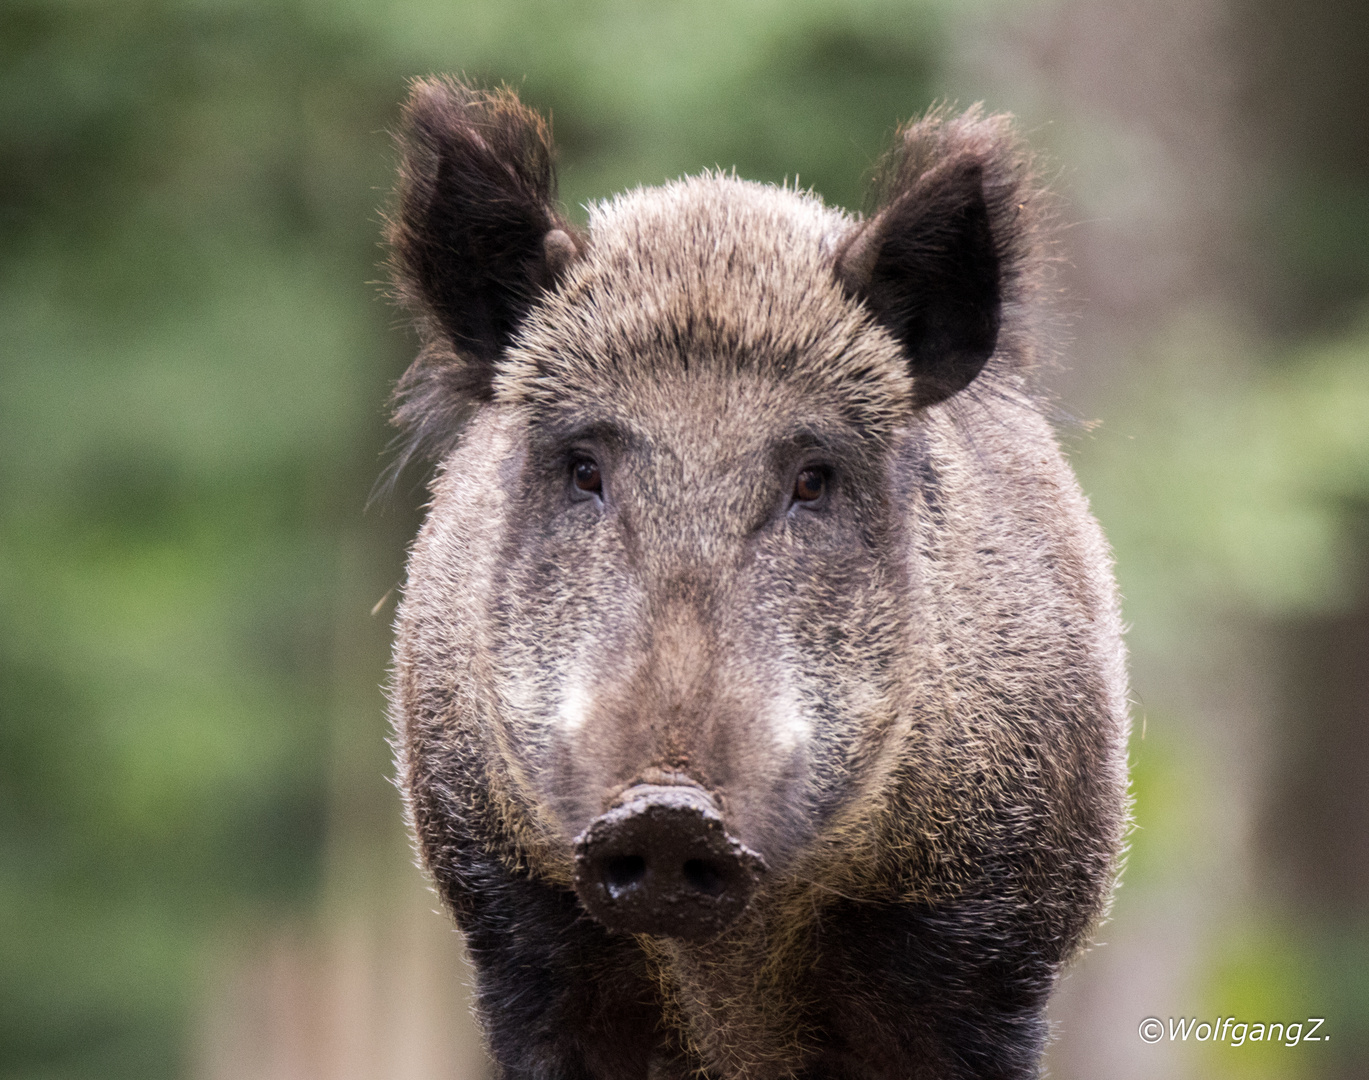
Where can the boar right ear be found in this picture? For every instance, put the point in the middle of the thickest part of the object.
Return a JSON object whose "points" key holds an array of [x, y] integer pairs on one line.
{"points": [[475, 238], [946, 247]]}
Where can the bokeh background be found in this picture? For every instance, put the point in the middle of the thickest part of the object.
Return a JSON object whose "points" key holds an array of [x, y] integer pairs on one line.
{"points": [[202, 869]]}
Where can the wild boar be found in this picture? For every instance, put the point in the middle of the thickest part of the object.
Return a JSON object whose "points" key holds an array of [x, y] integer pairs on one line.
{"points": [[759, 688]]}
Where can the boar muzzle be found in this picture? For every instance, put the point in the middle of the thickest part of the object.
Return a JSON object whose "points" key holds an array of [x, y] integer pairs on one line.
{"points": [[662, 862]]}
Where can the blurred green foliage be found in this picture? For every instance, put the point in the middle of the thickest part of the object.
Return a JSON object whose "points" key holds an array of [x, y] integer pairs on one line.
{"points": [[1235, 495], [1233, 487]]}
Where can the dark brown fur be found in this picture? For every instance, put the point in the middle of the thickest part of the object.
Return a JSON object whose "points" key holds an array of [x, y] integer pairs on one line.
{"points": [[908, 695]]}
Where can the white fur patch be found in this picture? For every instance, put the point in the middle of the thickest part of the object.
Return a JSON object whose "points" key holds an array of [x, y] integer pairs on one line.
{"points": [[789, 721], [574, 707]]}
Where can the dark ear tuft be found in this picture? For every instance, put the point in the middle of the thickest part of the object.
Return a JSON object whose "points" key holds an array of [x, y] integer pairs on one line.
{"points": [[475, 237], [947, 247]]}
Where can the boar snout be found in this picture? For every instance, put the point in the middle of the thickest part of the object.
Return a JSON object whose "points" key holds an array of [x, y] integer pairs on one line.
{"points": [[662, 862]]}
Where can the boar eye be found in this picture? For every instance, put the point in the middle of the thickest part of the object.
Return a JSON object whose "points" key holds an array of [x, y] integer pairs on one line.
{"points": [[810, 485], [584, 474]]}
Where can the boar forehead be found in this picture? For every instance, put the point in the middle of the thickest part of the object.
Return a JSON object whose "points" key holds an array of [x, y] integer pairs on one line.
{"points": [[711, 277]]}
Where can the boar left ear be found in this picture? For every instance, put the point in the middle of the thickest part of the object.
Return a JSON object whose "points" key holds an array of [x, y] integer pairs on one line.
{"points": [[475, 238], [946, 247]]}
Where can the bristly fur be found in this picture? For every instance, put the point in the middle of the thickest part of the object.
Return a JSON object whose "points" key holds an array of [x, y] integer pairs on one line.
{"points": [[475, 202], [908, 696], [954, 243]]}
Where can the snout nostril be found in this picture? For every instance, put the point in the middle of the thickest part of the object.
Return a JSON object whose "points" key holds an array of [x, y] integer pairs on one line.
{"points": [[662, 862], [622, 872], [704, 877]]}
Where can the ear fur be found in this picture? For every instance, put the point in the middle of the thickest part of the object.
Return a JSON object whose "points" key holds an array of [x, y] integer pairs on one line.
{"points": [[948, 245], [475, 237]]}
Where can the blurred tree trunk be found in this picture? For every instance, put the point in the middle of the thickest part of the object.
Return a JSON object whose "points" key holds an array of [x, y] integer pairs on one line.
{"points": [[1316, 821]]}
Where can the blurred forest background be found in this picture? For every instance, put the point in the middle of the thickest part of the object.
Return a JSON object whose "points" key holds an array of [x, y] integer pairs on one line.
{"points": [[203, 873]]}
